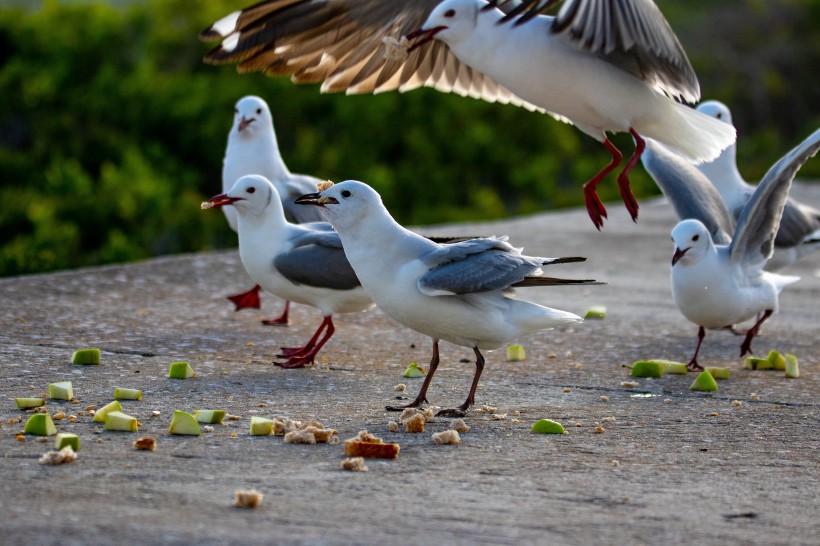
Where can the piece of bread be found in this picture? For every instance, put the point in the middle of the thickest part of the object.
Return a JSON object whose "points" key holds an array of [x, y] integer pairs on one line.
{"points": [[446, 437], [367, 445], [247, 499], [414, 423], [146, 443], [355, 464]]}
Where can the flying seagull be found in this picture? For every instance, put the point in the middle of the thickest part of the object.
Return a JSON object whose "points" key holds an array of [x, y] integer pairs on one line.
{"points": [[604, 66], [253, 149], [304, 263], [717, 285], [459, 292]]}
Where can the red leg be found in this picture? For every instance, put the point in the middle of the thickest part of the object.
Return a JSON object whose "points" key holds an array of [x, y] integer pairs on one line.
{"points": [[422, 396], [281, 320], [303, 358], [746, 346], [623, 178], [693, 364], [247, 300], [595, 208], [296, 351], [461, 411]]}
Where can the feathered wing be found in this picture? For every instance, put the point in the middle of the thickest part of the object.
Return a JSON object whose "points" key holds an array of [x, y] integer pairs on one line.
{"points": [[753, 241], [317, 259]]}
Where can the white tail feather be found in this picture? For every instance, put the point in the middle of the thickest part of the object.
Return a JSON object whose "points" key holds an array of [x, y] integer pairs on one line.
{"points": [[694, 136]]}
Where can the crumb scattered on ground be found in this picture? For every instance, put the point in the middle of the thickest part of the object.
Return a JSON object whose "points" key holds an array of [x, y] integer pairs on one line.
{"points": [[737, 403], [393, 426], [247, 499], [65, 455], [356, 464], [415, 423], [499, 416], [604, 398], [446, 437], [599, 429], [401, 387], [630, 384], [300, 437], [146, 443], [460, 426]]}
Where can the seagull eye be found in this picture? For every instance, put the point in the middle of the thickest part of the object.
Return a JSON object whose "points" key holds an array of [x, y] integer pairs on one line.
{"points": [[258, 111], [719, 115], [345, 194], [450, 13], [696, 237], [251, 189]]}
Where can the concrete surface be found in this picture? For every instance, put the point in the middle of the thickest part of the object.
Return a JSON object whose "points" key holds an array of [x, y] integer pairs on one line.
{"points": [[671, 467]]}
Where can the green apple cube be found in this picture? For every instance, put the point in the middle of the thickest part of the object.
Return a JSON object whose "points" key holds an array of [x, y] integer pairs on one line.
{"points": [[86, 357], [212, 416], [69, 439], [596, 312], [755, 363], [180, 370], [704, 382], [117, 420], [718, 373], [40, 424], [413, 370], [673, 367], [127, 394], [99, 416], [547, 426], [792, 369], [647, 368], [261, 426], [184, 423], [515, 353], [28, 403], [777, 360], [62, 390]]}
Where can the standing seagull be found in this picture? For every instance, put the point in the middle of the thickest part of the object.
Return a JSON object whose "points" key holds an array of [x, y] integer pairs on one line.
{"points": [[253, 149], [715, 286], [799, 232], [304, 263], [605, 66], [458, 292]]}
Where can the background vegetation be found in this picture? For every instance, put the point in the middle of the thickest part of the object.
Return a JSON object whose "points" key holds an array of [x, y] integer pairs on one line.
{"points": [[112, 130]]}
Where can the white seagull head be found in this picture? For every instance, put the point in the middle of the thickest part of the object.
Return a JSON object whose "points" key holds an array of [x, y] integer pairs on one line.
{"points": [[717, 110], [692, 241], [250, 195], [452, 21], [346, 203], [251, 116]]}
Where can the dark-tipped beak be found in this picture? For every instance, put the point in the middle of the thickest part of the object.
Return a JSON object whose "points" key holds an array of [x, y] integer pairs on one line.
{"points": [[316, 199], [679, 254], [244, 122], [220, 201], [422, 36]]}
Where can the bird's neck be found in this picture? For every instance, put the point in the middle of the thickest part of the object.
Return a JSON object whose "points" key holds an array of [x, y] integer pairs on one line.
{"points": [[723, 171]]}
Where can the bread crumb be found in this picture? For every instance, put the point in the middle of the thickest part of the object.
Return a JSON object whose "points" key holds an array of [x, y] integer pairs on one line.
{"points": [[90, 408], [414, 423], [599, 429], [604, 398], [615, 462], [446, 437], [408, 413], [737, 403], [629, 384], [715, 414], [365, 436], [156, 413], [355, 464], [499, 416], [489, 409], [300, 437], [65, 455], [322, 435], [401, 387], [754, 396], [233, 435], [552, 355], [566, 389], [146, 443], [428, 413], [20, 437], [367, 445], [323, 185], [231, 417], [460, 426], [516, 421], [578, 425], [393, 426], [247, 499], [667, 400], [207, 428], [608, 419], [72, 418]]}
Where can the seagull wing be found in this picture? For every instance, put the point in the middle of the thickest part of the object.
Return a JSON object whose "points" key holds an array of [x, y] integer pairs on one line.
{"points": [[692, 194], [345, 45], [753, 241], [317, 259]]}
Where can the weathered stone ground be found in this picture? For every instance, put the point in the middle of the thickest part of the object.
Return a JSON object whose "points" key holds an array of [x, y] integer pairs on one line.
{"points": [[673, 467]]}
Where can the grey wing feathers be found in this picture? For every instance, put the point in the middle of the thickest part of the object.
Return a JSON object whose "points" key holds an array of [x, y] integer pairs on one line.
{"points": [[799, 222], [317, 259], [461, 249], [492, 269], [689, 191], [760, 219]]}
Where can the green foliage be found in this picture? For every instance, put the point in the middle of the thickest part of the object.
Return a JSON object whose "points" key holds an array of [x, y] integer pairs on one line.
{"points": [[112, 130]]}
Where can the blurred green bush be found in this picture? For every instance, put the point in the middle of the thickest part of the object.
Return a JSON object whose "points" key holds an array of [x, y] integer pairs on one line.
{"points": [[112, 130]]}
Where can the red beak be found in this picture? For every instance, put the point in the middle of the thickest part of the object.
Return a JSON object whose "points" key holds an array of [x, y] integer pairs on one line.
{"points": [[678, 255], [222, 199], [423, 36], [243, 124]]}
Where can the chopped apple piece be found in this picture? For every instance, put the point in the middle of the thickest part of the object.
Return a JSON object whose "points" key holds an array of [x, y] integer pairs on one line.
{"points": [[99, 415], [86, 357], [792, 369], [596, 312], [515, 353], [117, 420], [777, 360], [672, 366], [28, 403], [704, 382], [718, 373], [62, 390], [180, 370], [547, 426], [214, 416], [755, 363], [69, 439], [414, 370], [184, 423], [261, 426], [40, 424], [647, 368], [127, 394]]}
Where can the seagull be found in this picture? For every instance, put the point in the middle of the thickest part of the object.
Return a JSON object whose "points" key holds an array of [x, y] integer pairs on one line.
{"points": [[603, 66], [799, 232], [253, 149], [304, 263], [718, 285], [459, 292]]}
